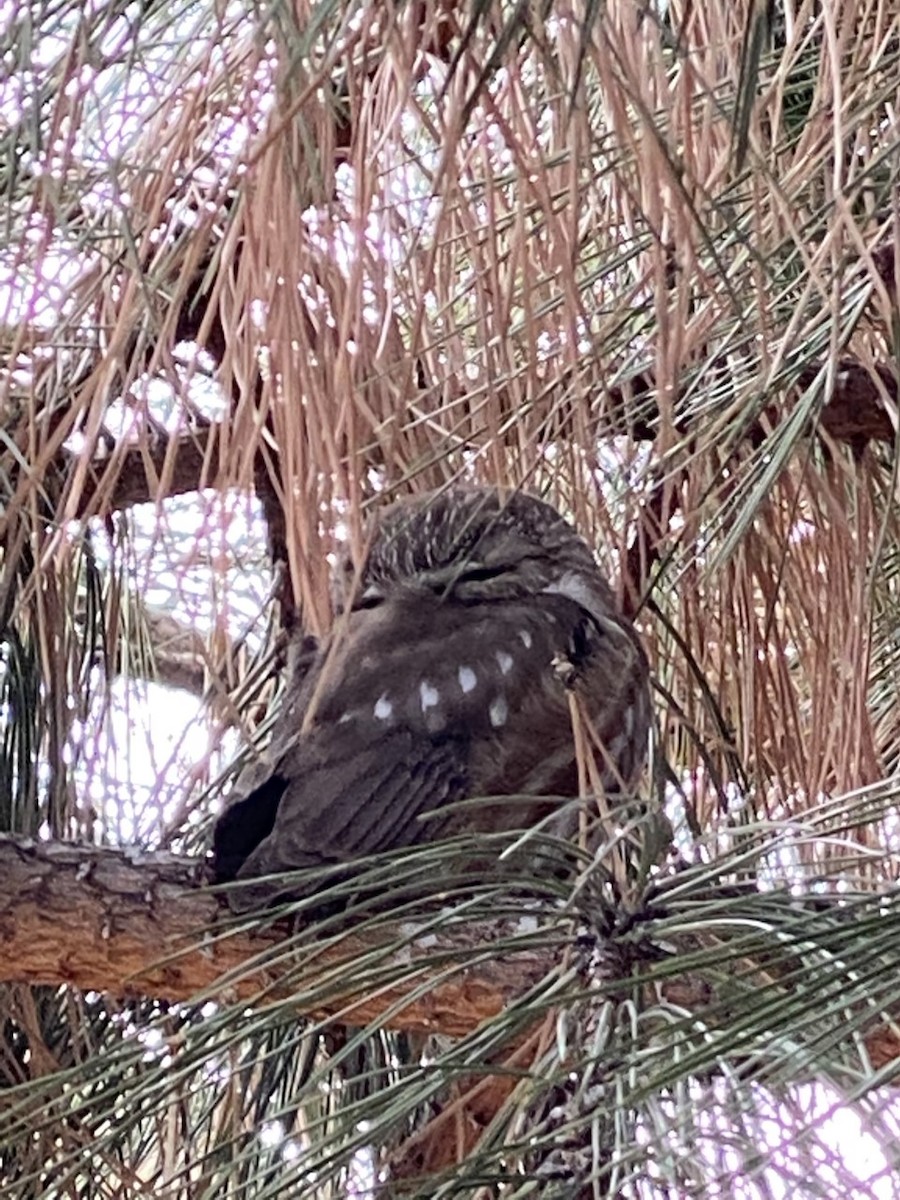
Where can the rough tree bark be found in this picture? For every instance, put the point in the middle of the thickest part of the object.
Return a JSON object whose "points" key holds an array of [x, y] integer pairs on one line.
{"points": [[137, 923], [131, 922]]}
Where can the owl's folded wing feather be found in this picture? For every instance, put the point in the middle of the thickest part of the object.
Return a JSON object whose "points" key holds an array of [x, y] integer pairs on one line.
{"points": [[333, 800]]}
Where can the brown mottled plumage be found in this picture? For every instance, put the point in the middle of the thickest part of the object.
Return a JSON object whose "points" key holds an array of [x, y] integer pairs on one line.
{"points": [[476, 615]]}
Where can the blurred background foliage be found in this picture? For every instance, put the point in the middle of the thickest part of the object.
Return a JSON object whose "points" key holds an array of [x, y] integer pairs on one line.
{"points": [[264, 267]]}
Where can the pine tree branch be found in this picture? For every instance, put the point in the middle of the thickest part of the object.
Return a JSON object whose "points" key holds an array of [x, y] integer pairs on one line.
{"points": [[136, 923], [134, 475], [853, 414], [132, 922], [180, 655]]}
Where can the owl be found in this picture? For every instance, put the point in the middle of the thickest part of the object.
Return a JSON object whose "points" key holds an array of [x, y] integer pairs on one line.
{"points": [[476, 627]]}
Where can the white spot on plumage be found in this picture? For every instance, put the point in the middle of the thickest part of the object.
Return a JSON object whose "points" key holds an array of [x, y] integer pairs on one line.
{"points": [[384, 710], [505, 661], [525, 638], [467, 679], [498, 711], [430, 696]]}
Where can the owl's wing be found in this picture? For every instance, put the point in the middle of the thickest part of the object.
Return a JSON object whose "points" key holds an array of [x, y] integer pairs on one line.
{"points": [[342, 797], [350, 785], [420, 705]]}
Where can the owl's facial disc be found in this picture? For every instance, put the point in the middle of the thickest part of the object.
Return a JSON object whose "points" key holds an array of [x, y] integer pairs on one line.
{"points": [[466, 576]]}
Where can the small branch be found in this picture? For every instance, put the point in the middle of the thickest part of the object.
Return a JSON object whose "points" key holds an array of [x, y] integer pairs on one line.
{"points": [[854, 411], [135, 474], [854, 415], [180, 657]]}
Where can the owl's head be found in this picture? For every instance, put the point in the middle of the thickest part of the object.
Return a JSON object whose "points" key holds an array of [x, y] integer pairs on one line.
{"points": [[477, 543]]}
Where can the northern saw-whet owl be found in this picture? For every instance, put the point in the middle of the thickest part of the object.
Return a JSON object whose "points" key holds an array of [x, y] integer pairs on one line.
{"points": [[477, 617]]}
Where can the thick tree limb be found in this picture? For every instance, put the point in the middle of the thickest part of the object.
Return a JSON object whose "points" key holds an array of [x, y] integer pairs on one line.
{"points": [[134, 923], [130, 923]]}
